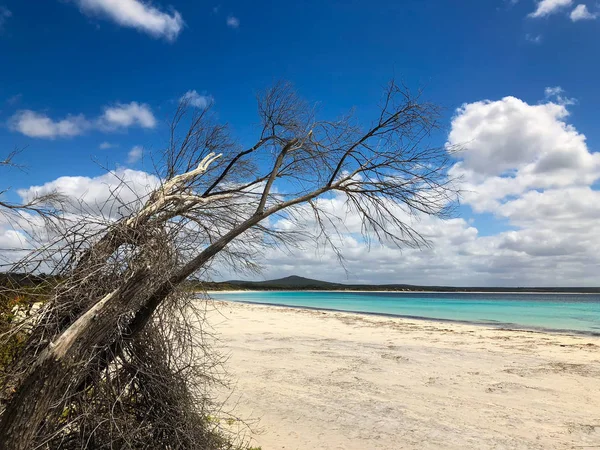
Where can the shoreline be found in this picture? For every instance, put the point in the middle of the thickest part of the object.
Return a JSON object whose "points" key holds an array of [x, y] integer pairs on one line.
{"points": [[501, 326], [241, 291]]}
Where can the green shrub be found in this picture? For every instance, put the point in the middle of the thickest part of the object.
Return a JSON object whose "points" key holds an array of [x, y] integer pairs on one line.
{"points": [[13, 300]]}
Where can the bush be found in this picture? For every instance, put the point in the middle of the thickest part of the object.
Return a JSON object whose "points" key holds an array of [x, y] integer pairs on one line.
{"points": [[16, 305]]}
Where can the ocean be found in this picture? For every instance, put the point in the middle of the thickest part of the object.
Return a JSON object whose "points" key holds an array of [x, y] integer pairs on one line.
{"points": [[550, 312]]}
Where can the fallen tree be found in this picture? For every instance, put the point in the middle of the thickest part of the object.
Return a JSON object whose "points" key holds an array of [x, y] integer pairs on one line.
{"points": [[115, 359]]}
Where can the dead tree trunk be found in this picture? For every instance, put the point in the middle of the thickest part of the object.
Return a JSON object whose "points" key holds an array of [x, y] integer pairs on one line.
{"points": [[67, 361], [64, 364]]}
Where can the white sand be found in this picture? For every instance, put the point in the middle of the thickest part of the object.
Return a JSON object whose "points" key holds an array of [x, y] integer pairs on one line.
{"points": [[327, 380]]}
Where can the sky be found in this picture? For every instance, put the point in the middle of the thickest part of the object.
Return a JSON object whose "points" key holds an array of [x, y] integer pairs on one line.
{"points": [[89, 85]]}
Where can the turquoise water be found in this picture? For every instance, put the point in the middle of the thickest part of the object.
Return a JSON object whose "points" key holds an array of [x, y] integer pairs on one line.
{"points": [[566, 312]]}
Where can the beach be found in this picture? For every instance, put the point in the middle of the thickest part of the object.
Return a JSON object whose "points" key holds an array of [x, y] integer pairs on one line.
{"points": [[308, 379]]}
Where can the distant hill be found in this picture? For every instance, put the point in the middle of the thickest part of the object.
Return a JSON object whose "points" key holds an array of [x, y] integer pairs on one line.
{"points": [[291, 282], [295, 282]]}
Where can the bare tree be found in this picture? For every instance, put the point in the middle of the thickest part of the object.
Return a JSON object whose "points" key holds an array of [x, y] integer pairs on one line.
{"points": [[120, 310]]}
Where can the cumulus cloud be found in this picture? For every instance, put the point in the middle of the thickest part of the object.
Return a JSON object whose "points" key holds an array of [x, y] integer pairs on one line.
{"points": [[127, 115], [136, 14], [364, 259], [100, 200], [119, 116], [233, 22], [510, 147], [539, 176], [569, 208], [39, 125], [110, 195], [542, 251], [135, 154], [582, 13], [194, 99], [546, 7]]}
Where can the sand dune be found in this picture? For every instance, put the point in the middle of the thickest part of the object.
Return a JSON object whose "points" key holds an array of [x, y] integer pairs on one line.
{"points": [[327, 380]]}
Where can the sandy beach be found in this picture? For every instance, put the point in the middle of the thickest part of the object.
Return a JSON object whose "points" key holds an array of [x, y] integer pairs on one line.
{"points": [[330, 380]]}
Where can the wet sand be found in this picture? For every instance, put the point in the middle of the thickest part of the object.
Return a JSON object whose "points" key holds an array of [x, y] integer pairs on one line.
{"points": [[332, 380]]}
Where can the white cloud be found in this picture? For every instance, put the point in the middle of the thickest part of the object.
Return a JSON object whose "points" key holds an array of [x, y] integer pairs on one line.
{"points": [[511, 147], [547, 7], [553, 91], [137, 14], [38, 125], [127, 115], [135, 154], [106, 145], [233, 22], [537, 253], [458, 256], [572, 207], [581, 13], [119, 116], [99, 199], [194, 99], [556, 93], [366, 262], [526, 164], [536, 39], [98, 193], [12, 245]]}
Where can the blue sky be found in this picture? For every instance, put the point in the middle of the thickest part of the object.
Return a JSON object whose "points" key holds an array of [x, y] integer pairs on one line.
{"points": [[80, 60]]}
